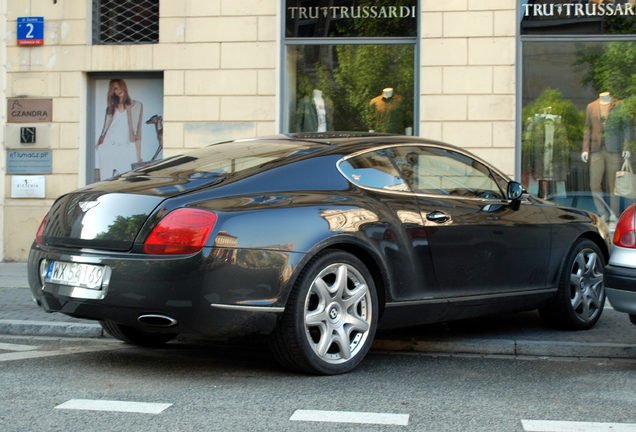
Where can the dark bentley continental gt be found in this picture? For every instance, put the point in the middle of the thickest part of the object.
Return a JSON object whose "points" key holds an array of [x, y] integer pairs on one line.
{"points": [[315, 241]]}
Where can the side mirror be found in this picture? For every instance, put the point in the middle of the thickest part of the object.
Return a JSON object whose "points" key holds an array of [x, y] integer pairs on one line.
{"points": [[515, 191]]}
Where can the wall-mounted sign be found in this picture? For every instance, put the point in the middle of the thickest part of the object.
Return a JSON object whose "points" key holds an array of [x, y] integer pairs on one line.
{"points": [[21, 110], [350, 18], [570, 17], [28, 187], [31, 31], [27, 136], [29, 162]]}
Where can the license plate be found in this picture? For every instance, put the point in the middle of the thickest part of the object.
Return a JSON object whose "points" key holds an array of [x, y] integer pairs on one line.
{"points": [[75, 274]]}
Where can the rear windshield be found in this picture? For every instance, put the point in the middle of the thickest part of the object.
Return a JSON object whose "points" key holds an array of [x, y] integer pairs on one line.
{"points": [[221, 160]]}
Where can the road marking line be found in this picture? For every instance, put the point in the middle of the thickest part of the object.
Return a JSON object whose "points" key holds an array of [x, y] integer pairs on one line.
{"points": [[350, 417], [63, 351], [119, 406], [566, 426], [16, 347]]}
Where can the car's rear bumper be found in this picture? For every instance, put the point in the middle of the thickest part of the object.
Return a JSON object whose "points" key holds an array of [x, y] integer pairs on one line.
{"points": [[218, 293], [620, 287]]}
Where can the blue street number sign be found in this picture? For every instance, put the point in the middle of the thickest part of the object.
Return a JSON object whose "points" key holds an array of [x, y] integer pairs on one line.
{"points": [[31, 31]]}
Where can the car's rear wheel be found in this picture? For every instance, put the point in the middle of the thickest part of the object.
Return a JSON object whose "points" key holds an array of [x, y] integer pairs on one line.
{"points": [[136, 336], [632, 319], [578, 303], [331, 315]]}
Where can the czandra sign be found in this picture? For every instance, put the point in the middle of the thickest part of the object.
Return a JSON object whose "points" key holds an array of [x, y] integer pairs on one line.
{"points": [[578, 10], [22, 110]]}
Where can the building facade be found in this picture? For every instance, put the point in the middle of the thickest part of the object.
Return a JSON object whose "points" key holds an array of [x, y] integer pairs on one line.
{"points": [[187, 73]]}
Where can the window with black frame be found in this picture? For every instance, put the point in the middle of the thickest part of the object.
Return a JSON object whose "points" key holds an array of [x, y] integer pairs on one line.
{"points": [[119, 22], [579, 102], [350, 65]]}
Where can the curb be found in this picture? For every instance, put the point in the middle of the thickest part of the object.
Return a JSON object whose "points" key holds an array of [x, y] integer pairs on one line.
{"points": [[512, 348], [46, 328], [484, 347]]}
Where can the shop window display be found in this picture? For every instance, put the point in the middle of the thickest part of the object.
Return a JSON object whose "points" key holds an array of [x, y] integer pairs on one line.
{"points": [[579, 107], [350, 65], [351, 88]]}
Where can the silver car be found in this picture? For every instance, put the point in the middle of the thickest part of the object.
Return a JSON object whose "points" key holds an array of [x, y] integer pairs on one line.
{"points": [[620, 273]]}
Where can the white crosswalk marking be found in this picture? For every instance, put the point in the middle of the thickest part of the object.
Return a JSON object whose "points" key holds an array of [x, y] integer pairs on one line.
{"points": [[350, 417], [24, 352], [119, 406], [565, 426], [16, 347]]}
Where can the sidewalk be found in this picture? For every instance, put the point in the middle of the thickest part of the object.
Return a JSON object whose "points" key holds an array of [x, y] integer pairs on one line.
{"points": [[521, 334]]}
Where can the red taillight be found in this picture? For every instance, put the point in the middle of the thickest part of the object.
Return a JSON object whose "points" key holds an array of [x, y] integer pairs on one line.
{"points": [[181, 231], [625, 235], [39, 239]]}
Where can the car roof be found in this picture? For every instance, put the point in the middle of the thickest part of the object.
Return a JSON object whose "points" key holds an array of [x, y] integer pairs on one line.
{"points": [[362, 139]]}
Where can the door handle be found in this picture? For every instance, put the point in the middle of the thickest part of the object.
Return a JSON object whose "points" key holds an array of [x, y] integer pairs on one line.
{"points": [[438, 217]]}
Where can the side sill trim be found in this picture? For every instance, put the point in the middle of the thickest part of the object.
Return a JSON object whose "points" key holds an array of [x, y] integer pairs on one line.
{"points": [[416, 302], [469, 298], [249, 308]]}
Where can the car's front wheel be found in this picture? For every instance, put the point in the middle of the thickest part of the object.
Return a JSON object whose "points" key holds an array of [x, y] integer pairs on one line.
{"points": [[331, 315], [136, 336], [579, 301]]}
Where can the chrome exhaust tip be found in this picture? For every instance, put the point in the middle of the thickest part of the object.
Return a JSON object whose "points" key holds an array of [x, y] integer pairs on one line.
{"points": [[155, 320]]}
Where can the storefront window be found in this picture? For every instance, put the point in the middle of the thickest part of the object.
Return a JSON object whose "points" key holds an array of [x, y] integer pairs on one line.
{"points": [[579, 106], [351, 88], [350, 66]]}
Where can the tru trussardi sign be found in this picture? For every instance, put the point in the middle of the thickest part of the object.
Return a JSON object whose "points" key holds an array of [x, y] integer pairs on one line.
{"points": [[351, 18], [355, 12], [578, 10]]}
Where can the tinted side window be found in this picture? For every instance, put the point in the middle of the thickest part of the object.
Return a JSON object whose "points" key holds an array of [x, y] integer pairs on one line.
{"points": [[439, 171], [374, 170]]}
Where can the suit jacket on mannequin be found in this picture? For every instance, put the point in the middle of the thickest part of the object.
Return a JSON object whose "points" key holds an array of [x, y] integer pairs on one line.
{"points": [[616, 136], [307, 114]]}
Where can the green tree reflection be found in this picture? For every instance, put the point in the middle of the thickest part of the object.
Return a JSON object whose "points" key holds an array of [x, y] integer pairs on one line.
{"points": [[124, 228]]}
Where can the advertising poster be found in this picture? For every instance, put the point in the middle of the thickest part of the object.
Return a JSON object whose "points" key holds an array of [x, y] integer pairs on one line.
{"points": [[128, 124]]}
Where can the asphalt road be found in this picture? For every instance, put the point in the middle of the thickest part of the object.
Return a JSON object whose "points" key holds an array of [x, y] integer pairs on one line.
{"points": [[68, 384]]}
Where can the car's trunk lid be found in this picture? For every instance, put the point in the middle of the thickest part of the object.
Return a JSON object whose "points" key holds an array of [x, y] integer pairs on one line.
{"points": [[97, 220]]}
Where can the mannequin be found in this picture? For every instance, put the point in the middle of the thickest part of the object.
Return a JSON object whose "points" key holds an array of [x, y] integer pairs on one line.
{"points": [[314, 113], [606, 139], [546, 153], [388, 114], [321, 110]]}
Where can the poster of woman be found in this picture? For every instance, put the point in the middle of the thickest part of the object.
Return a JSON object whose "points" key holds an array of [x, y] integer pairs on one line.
{"points": [[128, 119]]}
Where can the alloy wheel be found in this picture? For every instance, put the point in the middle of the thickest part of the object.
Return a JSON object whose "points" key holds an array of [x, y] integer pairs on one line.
{"points": [[586, 285], [338, 313]]}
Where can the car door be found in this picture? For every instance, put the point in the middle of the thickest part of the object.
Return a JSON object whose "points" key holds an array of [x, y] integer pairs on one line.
{"points": [[481, 247], [401, 237]]}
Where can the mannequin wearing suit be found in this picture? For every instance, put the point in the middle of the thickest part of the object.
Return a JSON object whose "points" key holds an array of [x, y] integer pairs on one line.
{"points": [[314, 113], [606, 139]]}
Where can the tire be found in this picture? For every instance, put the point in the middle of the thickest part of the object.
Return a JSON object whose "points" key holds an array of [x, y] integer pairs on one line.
{"points": [[632, 319], [136, 336], [331, 316], [578, 303]]}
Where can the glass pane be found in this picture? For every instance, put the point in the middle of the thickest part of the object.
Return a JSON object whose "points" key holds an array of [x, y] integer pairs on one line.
{"points": [[579, 104], [351, 18], [443, 172], [373, 169], [350, 88], [576, 17]]}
